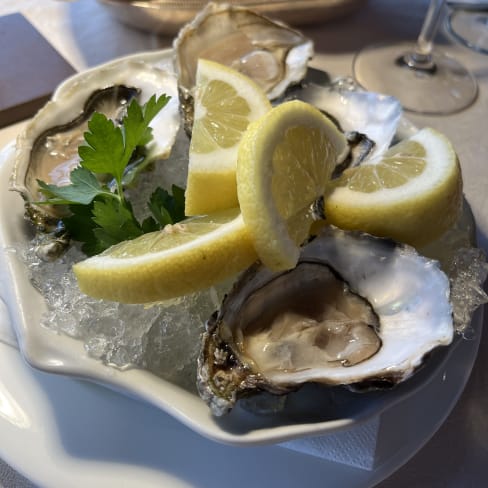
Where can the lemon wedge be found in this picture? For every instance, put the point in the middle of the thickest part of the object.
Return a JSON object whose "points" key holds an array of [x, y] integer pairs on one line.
{"points": [[284, 164], [225, 102], [412, 194], [180, 259]]}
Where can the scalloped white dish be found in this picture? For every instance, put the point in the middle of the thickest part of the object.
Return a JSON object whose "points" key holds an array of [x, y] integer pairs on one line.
{"points": [[312, 410]]}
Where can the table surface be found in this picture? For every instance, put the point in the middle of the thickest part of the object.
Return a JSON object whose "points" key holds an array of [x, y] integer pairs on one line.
{"points": [[86, 35]]}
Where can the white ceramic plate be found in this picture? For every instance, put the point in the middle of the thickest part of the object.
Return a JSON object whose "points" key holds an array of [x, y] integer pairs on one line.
{"points": [[49, 351], [80, 435]]}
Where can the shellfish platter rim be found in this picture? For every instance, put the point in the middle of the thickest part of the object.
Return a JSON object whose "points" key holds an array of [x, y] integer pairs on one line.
{"points": [[46, 350]]}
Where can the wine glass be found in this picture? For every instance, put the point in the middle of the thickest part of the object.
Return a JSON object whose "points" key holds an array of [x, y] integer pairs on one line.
{"points": [[424, 80], [468, 23]]}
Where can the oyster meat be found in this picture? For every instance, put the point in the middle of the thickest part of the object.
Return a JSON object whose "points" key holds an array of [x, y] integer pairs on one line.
{"points": [[271, 53], [357, 310], [47, 149]]}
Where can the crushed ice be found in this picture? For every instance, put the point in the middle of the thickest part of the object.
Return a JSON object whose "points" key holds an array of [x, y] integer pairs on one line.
{"points": [[162, 338], [466, 267]]}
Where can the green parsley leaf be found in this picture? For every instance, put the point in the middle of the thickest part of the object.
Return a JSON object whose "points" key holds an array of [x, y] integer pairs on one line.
{"points": [[100, 217], [83, 189], [178, 205], [104, 152], [166, 208], [136, 124], [149, 225], [115, 221], [80, 226], [154, 106]]}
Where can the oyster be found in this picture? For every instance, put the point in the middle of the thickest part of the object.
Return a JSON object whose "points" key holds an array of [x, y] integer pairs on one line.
{"points": [[356, 310], [269, 52], [47, 149], [369, 120]]}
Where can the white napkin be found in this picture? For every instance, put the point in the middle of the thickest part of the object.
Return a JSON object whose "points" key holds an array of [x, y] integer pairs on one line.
{"points": [[354, 447]]}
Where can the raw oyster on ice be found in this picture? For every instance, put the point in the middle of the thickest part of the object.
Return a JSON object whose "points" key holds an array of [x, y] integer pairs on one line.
{"points": [[356, 310], [47, 149], [271, 53]]}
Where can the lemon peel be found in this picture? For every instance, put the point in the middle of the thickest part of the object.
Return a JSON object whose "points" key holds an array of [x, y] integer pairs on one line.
{"points": [[180, 259], [412, 194], [225, 102]]}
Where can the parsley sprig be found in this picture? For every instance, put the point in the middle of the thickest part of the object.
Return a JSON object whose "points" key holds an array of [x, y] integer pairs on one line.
{"points": [[101, 216]]}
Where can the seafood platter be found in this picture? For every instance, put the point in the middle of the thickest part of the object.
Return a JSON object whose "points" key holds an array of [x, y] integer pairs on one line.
{"points": [[360, 322]]}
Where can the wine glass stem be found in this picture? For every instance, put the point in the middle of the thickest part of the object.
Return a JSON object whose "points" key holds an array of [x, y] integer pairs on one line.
{"points": [[421, 56]]}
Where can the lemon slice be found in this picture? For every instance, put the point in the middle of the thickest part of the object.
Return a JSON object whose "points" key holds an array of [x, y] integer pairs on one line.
{"points": [[182, 258], [284, 164], [413, 194], [225, 102]]}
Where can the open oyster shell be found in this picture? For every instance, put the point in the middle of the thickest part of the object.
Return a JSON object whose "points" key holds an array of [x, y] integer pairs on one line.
{"points": [[47, 149], [269, 52], [356, 310]]}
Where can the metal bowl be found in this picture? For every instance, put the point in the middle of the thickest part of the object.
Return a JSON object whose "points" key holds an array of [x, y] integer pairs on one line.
{"points": [[167, 16]]}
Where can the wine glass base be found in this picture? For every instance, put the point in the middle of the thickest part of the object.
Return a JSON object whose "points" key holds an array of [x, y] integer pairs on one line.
{"points": [[470, 29], [444, 88]]}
